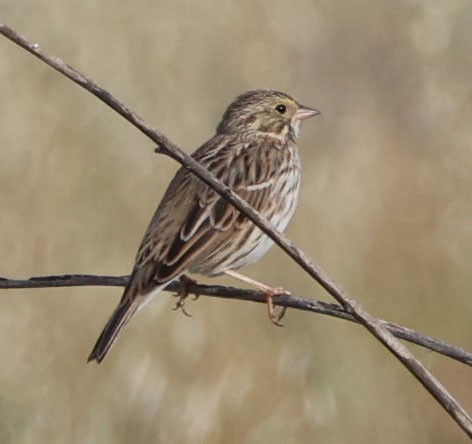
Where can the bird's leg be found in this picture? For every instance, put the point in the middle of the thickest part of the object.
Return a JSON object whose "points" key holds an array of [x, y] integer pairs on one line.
{"points": [[183, 293], [269, 292]]}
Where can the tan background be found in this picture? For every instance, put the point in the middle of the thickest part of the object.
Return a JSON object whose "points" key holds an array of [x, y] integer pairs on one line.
{"points": [[385, 209]]}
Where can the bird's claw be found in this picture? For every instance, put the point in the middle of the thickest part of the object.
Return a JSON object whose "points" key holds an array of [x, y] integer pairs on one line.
{"points": [[185, 282], [273, 316], [180, 304]]}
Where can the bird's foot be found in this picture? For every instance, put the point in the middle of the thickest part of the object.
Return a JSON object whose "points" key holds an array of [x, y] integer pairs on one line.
{"points": [[185, 283], [272, 293], [269, 292]]}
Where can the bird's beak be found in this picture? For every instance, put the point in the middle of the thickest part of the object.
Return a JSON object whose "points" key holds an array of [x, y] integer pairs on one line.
{"points": [[303, 112]]}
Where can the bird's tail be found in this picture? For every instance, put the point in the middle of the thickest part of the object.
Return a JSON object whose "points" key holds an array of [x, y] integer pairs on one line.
{"points": [[131, 302], [120, 317]]}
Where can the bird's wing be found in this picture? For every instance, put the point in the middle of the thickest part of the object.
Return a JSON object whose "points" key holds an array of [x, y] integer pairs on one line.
{"points": [[192, 219]]}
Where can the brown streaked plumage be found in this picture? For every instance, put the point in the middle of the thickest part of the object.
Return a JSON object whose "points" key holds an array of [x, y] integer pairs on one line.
{"points": [[194, 229]]}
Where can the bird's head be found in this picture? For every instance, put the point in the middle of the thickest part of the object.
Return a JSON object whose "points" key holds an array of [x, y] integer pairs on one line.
{"points": [[265, 111]]}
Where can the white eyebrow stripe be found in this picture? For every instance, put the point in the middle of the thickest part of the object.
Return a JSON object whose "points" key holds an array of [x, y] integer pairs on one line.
{"points": [[258, 186]]}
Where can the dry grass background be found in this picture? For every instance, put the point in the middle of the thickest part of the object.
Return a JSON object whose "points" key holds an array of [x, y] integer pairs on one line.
{"points": [[386, 209]]}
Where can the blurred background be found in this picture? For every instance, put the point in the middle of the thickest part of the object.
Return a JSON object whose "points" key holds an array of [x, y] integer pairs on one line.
{"points": [[385, 209]]}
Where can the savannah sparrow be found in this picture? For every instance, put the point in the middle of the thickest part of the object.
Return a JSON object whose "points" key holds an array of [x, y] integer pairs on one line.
{"points": [[195, 230]]}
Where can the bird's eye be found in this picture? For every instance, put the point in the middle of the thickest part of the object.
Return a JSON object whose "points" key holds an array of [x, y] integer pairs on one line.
{"points": [[281, 109]]}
